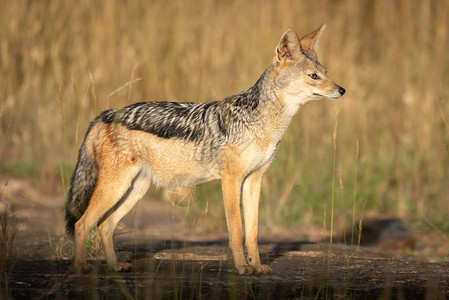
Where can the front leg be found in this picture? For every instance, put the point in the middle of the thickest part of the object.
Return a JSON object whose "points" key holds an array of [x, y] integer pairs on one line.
{"points": [[231, 185], [251, 196]]}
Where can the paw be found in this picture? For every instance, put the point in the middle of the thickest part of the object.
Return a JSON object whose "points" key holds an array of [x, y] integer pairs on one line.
{"points": [[123, 267], [245, 269], [263, 269], [83, 268]]}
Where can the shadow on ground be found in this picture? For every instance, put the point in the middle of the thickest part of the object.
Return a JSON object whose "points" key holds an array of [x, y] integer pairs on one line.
{"points": [[178, 269]]}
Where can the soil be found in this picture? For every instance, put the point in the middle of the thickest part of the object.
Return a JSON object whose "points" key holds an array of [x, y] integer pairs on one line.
{"points": [[168, 263]]}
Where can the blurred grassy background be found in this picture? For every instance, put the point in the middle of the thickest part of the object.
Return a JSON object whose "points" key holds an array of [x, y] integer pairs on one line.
{"points": [[63, 62]]}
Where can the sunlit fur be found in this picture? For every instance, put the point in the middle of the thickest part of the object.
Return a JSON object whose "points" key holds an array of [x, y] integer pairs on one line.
{"points": [[180, 144]]}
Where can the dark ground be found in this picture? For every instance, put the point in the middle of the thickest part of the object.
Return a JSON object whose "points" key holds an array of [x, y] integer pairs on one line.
{"points": [[300, 270], [169, 264]]}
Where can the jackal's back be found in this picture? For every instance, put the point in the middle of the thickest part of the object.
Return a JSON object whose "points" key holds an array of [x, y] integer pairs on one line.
{"points": [[187, 121], [199, 123]]}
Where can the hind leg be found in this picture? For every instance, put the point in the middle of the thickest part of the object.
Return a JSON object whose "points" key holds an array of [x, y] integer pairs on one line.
{"points": [[137, 191], [111, 187]]}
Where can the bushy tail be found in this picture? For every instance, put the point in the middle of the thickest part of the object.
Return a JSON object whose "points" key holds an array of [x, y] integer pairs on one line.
{"points": [[82, 185]]}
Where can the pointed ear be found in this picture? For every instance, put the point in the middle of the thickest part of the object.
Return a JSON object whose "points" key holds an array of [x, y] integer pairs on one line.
{"points": [[310, 42], [288, 47]]}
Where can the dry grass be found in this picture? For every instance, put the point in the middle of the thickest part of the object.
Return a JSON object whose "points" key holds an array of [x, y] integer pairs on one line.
{"points": [[62, 63]]}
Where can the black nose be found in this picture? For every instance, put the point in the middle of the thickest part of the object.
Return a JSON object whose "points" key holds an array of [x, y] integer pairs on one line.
{"points": [[342, 91]]}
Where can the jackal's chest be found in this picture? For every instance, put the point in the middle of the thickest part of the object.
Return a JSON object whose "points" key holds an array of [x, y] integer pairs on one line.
{"points": [[254, 155], [266, 154], [261, 148]]}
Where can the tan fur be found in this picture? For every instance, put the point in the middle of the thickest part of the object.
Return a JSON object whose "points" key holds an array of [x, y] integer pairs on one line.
{"points": [[130, 160]]}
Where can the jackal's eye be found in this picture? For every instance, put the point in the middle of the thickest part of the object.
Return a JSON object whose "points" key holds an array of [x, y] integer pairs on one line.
{"points": [[314, 76]]}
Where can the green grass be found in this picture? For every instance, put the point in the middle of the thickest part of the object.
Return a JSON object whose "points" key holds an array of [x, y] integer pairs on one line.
{"points": [[19, 169]]}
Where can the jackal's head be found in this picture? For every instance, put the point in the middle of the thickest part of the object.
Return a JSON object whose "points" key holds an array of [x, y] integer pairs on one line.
{"points": [[297, 74]]}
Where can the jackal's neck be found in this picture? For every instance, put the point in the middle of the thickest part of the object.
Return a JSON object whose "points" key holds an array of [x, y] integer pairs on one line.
{"points": [[257, 112], [251, 99]]}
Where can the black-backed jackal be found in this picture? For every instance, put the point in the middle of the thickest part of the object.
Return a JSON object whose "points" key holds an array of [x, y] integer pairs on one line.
{"points": [[182, 144]]}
